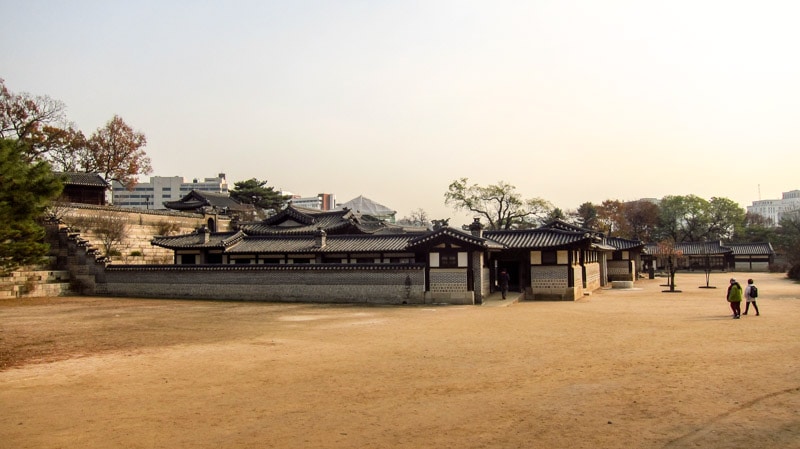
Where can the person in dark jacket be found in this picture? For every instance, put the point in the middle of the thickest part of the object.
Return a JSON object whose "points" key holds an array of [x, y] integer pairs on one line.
{"points": [[503, 280]]}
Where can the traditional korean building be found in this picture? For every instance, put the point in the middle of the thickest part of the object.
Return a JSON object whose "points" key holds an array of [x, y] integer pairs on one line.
{"points": [[211, 204], [83, 188], [557, 261], [714, 255], [200, 201]]}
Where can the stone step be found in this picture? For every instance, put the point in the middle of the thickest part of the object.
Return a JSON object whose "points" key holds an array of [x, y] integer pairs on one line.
{"points": [[22, 276], [35, 283], [37, 291]]}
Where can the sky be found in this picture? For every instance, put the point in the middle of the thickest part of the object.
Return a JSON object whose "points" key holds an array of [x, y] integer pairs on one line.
{"points": [[567, 100]]}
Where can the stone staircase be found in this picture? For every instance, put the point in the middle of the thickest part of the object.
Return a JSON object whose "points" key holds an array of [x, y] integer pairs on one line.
{"points": [[66, 272], [35, 282]]}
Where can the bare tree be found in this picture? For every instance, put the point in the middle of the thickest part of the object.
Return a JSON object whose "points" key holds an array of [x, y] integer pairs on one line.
{"points": [[499, 204], [110, 231], [418, 217], [28, 120]]}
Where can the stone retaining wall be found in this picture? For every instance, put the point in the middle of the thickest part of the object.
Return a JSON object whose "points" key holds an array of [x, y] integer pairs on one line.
{"points": [[140, 226]]}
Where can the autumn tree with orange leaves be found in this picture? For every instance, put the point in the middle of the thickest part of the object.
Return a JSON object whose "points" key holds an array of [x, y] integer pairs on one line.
{"points": [[668, 252], [37, 125], [115, 152]]}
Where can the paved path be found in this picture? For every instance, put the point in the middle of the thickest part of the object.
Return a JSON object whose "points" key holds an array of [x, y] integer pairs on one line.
{"points": [[496, 299]]}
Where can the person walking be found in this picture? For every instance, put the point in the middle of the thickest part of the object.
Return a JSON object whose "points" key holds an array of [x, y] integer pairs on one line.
{"points": [[735, 298], [750, 295], [503, 281]]}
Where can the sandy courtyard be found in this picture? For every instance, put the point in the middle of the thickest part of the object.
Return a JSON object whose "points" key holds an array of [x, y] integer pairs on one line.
{"points": [[620, 368]]}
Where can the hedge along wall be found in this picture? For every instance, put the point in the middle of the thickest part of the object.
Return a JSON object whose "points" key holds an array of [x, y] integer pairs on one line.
{"points": [[320, 283]]}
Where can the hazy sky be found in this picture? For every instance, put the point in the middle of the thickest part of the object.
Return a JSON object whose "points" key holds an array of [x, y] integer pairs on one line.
{"points": [[570, 101]]}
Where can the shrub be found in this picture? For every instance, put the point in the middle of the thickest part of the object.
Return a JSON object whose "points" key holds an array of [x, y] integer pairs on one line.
{"points": [[80, 286], [778, 267], [794, 272], [164, 227]]}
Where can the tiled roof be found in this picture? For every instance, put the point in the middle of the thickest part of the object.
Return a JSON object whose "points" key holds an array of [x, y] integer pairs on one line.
{"points": [[537, 238], [624, 244], [564, 226], [452, 233], [196, 240], [83, 179], [334, 244], [388, 240], [300, 221], [717, 248], [303, 215], [751, 249], [197, 199], [692, 248]]}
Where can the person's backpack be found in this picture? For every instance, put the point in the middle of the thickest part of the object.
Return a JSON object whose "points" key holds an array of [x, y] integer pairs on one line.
{"points": [[753, 291]]}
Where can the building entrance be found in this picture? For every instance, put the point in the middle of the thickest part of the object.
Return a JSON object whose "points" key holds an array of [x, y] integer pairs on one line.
{"points": [[515, 275]]}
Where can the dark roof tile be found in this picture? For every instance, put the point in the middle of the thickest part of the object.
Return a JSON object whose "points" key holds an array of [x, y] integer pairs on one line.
{"points": [[624, 244], [453, 233], [197, 240], [197, 199], [295, 220], [537, 238], [334, 244], [83, 179], [691, 248], [751, 249]]}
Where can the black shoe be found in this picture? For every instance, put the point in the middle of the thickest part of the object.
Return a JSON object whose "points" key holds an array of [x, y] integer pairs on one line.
{"points": [[736, 317]]}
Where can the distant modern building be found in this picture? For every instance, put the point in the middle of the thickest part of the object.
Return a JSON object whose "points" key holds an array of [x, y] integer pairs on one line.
{"points": [[775, 209], [323, 201], [366, 206], [162, 189]]}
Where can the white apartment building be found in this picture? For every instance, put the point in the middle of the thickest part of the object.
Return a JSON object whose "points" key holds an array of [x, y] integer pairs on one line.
{"points": [[774, 210], [153, 194]]}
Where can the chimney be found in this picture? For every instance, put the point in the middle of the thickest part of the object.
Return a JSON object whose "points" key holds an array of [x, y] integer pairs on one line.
{"points": [[205, 232], [320, 238], [476, 228]]}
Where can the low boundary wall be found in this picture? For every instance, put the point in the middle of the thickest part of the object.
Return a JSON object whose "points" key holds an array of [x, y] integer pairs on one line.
{"points": [[621, 270], [319, 283]]}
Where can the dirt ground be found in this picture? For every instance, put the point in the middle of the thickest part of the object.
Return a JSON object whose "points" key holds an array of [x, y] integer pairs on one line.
{"points": [[620, 368]]}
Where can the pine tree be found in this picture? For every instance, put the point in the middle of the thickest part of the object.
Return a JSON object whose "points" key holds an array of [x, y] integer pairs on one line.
{"points": [[26, 190]]}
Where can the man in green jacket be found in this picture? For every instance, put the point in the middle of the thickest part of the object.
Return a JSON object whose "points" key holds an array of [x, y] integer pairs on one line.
{"points": [[735, 298]]}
